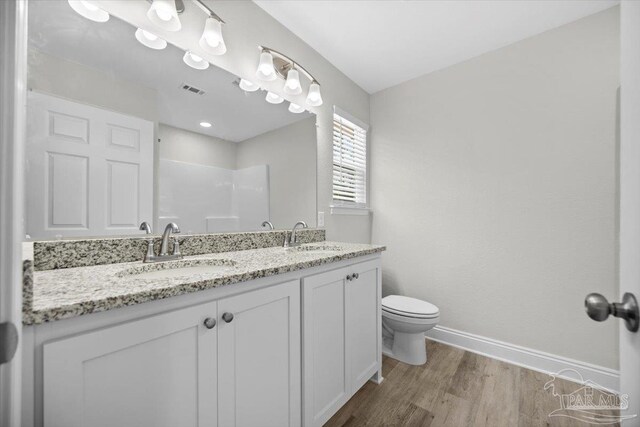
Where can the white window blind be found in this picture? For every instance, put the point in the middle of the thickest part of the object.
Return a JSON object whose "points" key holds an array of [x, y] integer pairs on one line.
{"points": [[349, 163]]}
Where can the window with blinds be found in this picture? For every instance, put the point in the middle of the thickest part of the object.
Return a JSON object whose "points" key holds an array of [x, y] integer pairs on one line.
{"points": [[349, 163]]}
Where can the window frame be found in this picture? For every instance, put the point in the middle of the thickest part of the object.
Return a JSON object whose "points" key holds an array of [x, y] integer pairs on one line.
{"points": [[343, 207]]}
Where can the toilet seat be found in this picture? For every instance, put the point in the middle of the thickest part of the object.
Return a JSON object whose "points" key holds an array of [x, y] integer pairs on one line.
{"points": [[409, 307]]}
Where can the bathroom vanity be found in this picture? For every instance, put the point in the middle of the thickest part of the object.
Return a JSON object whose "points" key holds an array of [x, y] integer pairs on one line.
{"points": [[226, 327], [261, 337]]}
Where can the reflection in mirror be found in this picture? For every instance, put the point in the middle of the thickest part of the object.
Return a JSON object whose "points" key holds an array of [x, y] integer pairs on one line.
{"points": [[120, 133]]}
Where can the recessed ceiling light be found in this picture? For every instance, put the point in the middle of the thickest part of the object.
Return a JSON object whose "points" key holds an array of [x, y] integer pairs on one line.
{"points": [[205, 124]]}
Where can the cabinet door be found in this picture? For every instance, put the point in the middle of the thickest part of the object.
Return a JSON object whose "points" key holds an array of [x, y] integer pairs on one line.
{"points": [[259, 358], [159, 371], [363, 325], [325, 378]]}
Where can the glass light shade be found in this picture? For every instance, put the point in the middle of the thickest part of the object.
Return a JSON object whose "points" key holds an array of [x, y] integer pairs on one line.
{"points": [[314, 98], [89, 10], [273, 98], [211, 40], [194, 61], [292, 85], [248, 86], [295, 108], [265, 70], [163, 13], [150, 40]]}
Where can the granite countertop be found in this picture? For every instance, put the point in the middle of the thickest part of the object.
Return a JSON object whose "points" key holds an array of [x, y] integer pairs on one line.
{"points": [[71, 292]]}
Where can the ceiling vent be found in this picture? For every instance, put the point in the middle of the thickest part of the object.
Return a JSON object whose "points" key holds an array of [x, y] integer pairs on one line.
{"points": [[191, 89]]}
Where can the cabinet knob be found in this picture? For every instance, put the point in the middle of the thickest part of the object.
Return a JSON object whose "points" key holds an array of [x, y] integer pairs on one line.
{"points": [[209, 322], [356, 275], [349, 277], [227, 317]]}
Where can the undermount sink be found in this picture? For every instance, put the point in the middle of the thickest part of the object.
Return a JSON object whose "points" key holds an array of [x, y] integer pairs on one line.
{"points": [[170, 269], [316, 249]]}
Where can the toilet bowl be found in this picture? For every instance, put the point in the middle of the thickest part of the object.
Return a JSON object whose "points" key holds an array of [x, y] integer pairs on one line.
{"points": [[404, 322]]}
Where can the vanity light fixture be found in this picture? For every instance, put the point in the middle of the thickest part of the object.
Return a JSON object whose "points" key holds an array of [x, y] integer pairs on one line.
{"points": [[266, 71], [89, 10], [275, 64], [164, 14], [205, 124], [150, 40], [211, 40], [314, 98], [195, 61], [248, 86], [295, 108], [292, 85], [273, 98]]}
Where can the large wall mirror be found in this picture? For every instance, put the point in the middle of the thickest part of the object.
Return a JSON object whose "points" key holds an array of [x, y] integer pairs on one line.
{"points": [[120, 133]]}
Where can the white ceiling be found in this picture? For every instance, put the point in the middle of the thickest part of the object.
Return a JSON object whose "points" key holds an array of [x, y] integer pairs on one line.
{"points": [[379, 44], [54, 28]]}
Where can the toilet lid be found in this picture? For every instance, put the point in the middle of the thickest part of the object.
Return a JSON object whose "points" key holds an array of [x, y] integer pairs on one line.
{"points": [[410, 307]]}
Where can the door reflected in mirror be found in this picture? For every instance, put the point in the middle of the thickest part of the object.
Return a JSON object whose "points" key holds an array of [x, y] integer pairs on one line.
{"points": [[120, 133]]}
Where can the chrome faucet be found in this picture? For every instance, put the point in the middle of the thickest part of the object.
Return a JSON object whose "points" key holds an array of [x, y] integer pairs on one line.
{"points": [[172, 227], [267, 224], [150, 256], [292, 239]]}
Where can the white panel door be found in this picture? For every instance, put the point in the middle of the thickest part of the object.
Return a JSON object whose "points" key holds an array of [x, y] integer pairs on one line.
{"points": [[326, 376], [155, 372], [363, 325], [259, 358], [630, 200], [89, 170]]}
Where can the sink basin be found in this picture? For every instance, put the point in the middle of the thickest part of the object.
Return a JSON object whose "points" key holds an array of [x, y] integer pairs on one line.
{"points": [[182, 268], [316, 249]]}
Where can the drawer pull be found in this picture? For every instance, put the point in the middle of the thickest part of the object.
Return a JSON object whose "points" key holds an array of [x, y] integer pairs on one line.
{"points": [[227, 317], [209, 322]]}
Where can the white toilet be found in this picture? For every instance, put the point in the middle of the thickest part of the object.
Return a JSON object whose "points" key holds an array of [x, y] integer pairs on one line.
{"points": [[404, 322]]}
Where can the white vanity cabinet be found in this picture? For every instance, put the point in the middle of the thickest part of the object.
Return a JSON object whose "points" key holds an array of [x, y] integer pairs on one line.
{"points": [[172, 370], [341, 337], [286, 350]]}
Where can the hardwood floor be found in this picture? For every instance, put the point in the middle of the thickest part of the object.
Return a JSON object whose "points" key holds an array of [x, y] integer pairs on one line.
{"points": [[456, 388]]}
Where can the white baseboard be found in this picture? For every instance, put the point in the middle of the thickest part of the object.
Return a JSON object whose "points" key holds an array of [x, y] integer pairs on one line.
{"points": [[525, 357]]}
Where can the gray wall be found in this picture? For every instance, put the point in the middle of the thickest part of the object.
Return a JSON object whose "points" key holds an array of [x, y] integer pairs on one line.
{"points": [[76, 82], [494, 188], [290, 153], [186, 146]]}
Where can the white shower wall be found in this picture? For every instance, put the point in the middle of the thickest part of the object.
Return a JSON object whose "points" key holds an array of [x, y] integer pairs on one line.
{"points": [[211, 199]]}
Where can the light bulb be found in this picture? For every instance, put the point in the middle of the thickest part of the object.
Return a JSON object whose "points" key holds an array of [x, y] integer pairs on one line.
{"points": [[150, 40], [265, 70], [292, 85], [211, 40], [295, 108], [314, 98], [273, 98], [89, 10], [163, 13], [205, 124], [195, 61], [248, 86]]}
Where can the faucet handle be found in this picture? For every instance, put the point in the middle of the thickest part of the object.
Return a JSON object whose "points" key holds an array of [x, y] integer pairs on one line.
{"points": [[176, 246]]}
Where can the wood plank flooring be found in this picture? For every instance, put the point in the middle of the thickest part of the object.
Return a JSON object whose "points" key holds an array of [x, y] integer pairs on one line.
{"points": [[455, 388]]}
